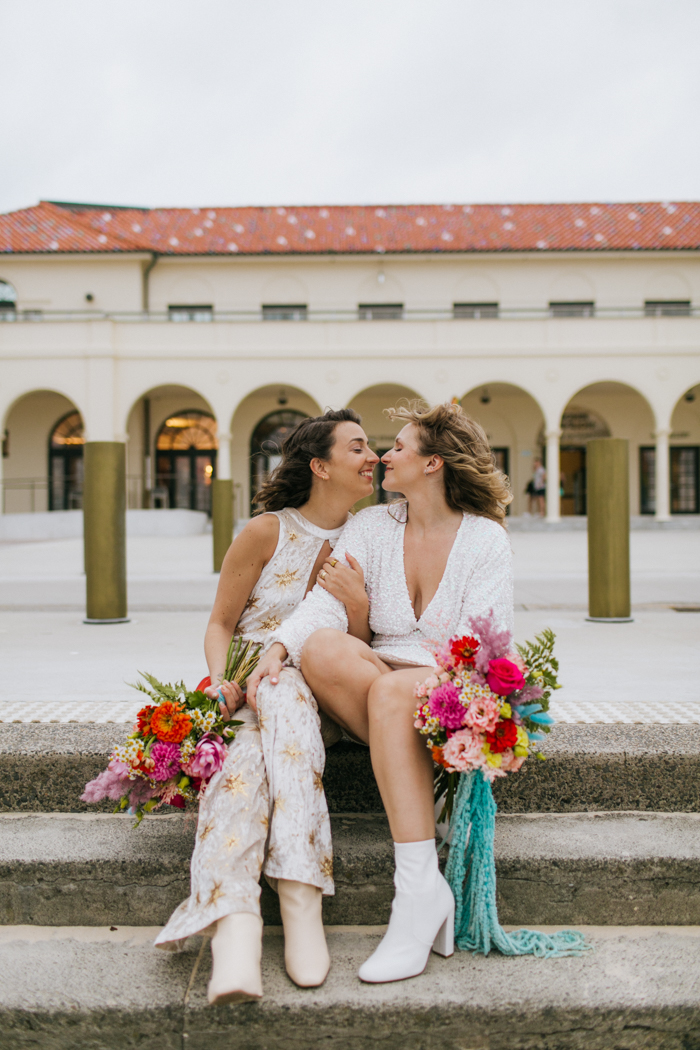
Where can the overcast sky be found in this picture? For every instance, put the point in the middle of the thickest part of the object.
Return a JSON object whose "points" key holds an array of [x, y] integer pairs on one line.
{"points": [[231, 102]]}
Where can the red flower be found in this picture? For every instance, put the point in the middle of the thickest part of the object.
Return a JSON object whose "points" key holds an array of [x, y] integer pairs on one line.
{"points": [[178, 801], [464, 650], [504, 735], [504, 677], [144, 719], [170, 723], [437, 756]]}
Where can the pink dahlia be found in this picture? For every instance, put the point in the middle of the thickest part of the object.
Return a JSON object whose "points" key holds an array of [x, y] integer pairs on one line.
{"points": [[166, 759], [445, 705], [463, 751], [208, 758]]}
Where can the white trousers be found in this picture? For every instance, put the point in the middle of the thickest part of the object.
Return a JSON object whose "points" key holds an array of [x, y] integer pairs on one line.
{"points": [[265, 810]]}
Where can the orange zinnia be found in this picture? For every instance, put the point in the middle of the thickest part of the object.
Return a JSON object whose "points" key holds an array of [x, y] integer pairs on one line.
{"points": [[144, 719], [170, 723]]}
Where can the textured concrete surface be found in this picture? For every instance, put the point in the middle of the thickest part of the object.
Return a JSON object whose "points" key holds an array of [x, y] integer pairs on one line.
{"points": [[637, 991], [44, 768], [614, 868]]}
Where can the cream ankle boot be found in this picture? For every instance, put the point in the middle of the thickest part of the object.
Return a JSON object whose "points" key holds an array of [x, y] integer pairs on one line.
{"points": [[306, 955], [236, 948]]}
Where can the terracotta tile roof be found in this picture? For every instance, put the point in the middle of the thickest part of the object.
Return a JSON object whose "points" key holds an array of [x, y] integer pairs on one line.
{"points": [[353, 230]]}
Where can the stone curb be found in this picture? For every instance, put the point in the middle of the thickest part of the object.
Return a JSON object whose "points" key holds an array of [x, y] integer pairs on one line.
{"points": [[43, 768], [637, 989], [606, 868]]}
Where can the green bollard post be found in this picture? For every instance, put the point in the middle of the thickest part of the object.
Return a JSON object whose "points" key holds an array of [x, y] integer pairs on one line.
{"points": [[104, 529], [221, 518], [608, 506]]}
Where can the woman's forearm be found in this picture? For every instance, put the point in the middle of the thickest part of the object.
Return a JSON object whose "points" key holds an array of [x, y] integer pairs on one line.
{"points": [[216, 642], [358, 621]]}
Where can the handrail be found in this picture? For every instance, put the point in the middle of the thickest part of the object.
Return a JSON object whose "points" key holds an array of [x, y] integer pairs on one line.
{"points": [[350, 315]]}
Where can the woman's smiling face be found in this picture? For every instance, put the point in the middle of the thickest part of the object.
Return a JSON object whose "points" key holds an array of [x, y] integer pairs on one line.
{"points": [[351, 463]]}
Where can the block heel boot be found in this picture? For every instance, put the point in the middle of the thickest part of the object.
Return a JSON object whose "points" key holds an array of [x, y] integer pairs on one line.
{"points": [[306, 955], [422, 917], [236, 949]]}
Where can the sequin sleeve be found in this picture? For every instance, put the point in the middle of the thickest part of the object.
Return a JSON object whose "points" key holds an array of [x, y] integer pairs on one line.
{"points": [[491, 584], [320, 609]]}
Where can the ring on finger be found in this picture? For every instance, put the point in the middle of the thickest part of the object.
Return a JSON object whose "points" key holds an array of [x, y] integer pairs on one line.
{"points": [[322, 574], [333, 562]]}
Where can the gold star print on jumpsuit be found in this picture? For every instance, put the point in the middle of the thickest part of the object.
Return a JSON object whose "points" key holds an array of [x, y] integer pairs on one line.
{"points": [[265, 810]]}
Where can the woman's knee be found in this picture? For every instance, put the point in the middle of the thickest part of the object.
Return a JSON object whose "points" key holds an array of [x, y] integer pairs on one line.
{"points": [[322, 646], [389, 699]]}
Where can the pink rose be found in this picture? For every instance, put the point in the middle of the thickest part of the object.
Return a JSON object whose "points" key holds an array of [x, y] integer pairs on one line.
{"points": [[208, 757], [504, 677], [462, 751]]}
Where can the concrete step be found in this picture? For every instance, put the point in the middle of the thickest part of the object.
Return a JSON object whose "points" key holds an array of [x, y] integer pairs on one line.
{"points": [[96, 989], [44, 768], [606, 868]]}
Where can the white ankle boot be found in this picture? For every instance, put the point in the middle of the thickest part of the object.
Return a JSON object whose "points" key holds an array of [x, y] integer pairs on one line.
{"points": [[422, 917], [306, 955], [236, 948]]}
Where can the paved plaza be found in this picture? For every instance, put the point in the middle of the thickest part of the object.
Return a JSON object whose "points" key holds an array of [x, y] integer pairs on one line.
{"points": [[55, 668]]}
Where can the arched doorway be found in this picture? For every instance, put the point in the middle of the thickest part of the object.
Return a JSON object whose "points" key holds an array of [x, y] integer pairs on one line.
{"points": [[266, 446], [66, 463], [684, 454], [186, 461]]}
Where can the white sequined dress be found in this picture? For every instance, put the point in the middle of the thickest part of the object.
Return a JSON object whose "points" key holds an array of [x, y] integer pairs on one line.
{"points": [[266, 809], [478, 579]]}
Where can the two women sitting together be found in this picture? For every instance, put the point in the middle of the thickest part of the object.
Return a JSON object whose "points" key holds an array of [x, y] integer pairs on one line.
{"points": [[349, 610]]}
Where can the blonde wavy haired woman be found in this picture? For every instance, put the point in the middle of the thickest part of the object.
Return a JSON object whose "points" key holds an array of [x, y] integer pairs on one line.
{"points": [[430, 563]]}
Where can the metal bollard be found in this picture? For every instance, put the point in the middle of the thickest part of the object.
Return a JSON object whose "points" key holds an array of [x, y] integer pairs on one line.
{"points": [[608, 506], [221, 518], [104, 520]]}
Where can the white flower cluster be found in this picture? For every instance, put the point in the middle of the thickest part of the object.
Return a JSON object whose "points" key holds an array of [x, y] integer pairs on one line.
{"points": [[205, 723], [187, 749]]}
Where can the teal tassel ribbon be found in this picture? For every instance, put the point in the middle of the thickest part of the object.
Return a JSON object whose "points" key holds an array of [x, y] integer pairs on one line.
{"points": [[471, 873]]}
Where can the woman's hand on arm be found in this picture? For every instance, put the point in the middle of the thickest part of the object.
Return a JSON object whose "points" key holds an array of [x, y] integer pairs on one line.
{"points": [[269, 666], [347, 584]]}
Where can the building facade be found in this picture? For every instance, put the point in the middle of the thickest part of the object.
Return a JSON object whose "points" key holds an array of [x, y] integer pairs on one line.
{"points": [[199, 336]]}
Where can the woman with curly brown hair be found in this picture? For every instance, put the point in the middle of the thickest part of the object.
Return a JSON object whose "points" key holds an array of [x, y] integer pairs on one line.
{"points": [[430, 563], [265, 810]]}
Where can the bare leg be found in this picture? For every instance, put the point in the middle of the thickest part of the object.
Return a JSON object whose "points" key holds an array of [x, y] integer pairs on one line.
{"points": [[401, 761], [340, 670]]}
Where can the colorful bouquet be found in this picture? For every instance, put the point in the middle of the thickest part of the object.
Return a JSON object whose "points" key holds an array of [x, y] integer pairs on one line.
{"points": [[177, 745], [480, 712], [485, 704]]}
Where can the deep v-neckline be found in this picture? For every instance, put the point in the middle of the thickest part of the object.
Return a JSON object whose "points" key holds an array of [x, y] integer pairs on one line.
{"points": [[417, 619]]}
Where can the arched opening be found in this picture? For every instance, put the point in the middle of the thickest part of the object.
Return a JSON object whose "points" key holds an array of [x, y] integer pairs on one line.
{"points": [[514, 425], [172, 440], [380, 430], [8, 301], [606, 409], [684, 454], [186, 447], [42, 452], [257, 421], [266, 446], [66, 463]]}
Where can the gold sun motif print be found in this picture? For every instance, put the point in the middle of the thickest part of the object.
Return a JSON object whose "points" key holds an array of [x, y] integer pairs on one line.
{"points": [[216, 892], [236, 784], [312, 838], [284, 579], [327, 867], [262, 721], [292, 537], [252, 603], [301, 698], [265, 820], [280, 804], [209, 826], [318, 780], [232, 841], [270, 624], [293, 752]]}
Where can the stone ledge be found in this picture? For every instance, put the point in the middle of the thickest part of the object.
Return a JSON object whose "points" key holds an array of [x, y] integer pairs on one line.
{"points": [[44, 768], [620, 868], [637, 991]]}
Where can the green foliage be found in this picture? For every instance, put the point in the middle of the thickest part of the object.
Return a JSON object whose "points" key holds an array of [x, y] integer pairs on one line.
{"points": [[241, 660], [542, 663], [178, 693]]}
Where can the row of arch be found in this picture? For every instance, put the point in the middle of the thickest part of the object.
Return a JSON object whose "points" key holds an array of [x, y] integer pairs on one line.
{"points": [[175, 444]]}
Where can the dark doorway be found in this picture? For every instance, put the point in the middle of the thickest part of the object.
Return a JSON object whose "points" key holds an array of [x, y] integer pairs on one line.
{"points": [[66, 463], [186, 461], [572, 465], [266, 447]]}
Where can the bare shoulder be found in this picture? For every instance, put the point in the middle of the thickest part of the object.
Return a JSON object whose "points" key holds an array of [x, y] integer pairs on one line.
{"points": [[259, 537]]}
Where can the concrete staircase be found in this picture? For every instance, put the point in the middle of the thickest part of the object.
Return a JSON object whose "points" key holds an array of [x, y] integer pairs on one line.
{"points": [[605, 835]]}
